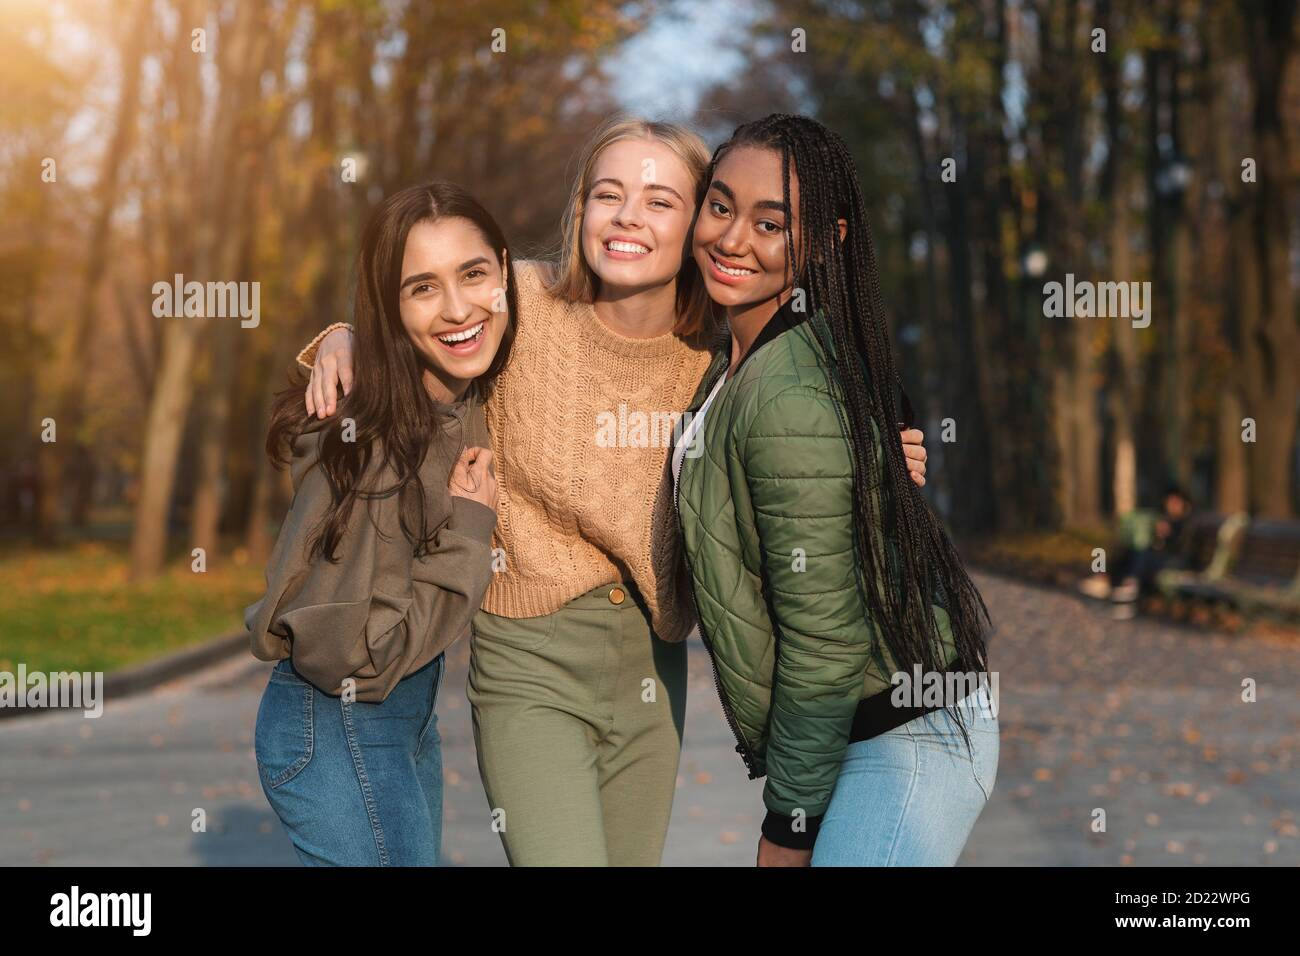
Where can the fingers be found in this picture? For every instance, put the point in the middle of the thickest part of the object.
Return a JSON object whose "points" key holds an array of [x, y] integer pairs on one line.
{"points": [[460, 470], [310, 400], [914, 454], [326, 375], [916, 466], [463, 473], [317, 392], [329, 375], [472, 477], [480, 466], [345, 372], [489, 463]]}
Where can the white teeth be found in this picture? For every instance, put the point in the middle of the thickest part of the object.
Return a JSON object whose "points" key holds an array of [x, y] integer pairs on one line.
{"points": [[618, 246], [470, 333], [733, 272]]}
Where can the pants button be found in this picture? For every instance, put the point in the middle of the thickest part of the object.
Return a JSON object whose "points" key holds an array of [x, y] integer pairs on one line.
{"points": [[617, 595]]}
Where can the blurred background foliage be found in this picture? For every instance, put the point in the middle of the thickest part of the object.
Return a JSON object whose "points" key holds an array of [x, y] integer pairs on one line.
{"points": [[1115, 164]]}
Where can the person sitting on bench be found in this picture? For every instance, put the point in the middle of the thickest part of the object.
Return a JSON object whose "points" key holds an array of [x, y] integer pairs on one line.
{"points": [[1149, 541]]}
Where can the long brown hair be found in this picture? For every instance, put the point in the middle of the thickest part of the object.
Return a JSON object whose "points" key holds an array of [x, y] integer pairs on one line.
{"points": [[394, 416]]}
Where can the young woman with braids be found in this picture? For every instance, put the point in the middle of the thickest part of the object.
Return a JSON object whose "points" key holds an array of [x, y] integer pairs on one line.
{"points": [[818, 570]]}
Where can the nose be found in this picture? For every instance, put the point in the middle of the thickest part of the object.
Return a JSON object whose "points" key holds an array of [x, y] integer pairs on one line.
{"points": [[456, 307], [732, 242], [628, 215]]}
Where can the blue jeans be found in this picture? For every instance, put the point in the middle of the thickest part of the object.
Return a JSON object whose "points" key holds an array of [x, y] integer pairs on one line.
{"points": [[354, 784], [910, 796]]}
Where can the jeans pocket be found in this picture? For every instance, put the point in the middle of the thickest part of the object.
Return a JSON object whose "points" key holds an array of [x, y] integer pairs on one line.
{"points": [[985, 742], [522, 633], [284, 737], [430, 728]]}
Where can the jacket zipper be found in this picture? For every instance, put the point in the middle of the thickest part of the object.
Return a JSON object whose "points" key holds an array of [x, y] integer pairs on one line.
{"points": [[742, 748]]}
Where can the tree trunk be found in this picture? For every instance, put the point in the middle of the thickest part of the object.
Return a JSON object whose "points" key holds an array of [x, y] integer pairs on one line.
{"points": [[1270, 330], [218, 242], [1230, 486], [69, 378]]}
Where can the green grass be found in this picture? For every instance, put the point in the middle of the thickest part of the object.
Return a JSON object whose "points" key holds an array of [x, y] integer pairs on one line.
{"points": [[73, 607], [1070, 548]]}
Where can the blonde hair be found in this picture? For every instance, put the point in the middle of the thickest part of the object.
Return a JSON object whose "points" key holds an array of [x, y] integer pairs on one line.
{"points": [[573, 279]]}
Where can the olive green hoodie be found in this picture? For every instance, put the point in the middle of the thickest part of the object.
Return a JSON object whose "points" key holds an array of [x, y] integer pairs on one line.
{"points": [[378, 612]]}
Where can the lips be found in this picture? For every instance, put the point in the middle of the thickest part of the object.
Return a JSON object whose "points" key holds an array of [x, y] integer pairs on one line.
{"points": [[727, 273], [464, 341], [621, 247]]}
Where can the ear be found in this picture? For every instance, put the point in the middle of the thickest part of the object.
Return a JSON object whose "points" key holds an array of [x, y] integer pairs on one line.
{"points": [[844, 227]]}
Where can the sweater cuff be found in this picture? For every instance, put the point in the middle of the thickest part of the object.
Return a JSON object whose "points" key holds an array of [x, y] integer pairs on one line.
{"points": [[307, 357], [472, 519], [779, 829]]}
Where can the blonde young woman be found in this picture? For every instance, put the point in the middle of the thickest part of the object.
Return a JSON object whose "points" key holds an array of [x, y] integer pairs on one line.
{"points": [[578, 668]]}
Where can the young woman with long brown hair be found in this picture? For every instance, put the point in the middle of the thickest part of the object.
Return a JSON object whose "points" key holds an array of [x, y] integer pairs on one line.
{"points": [[386, 551]]}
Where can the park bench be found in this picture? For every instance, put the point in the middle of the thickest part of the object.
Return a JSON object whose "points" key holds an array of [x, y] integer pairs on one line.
{"points": [[1263, 575], [1206, 551]]}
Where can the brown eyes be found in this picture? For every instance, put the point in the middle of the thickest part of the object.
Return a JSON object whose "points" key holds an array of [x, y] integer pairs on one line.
{"points": [[427, 287], [766, 225]]}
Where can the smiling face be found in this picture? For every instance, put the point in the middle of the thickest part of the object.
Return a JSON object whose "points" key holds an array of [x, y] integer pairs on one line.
{"points": [[451, 282], [636, 215], [740, 241]]}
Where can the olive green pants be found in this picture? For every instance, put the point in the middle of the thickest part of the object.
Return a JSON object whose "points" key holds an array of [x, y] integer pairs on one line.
{"points": [[578, 723]]}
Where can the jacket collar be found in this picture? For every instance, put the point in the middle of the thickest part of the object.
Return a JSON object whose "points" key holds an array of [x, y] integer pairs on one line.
{"points": [[787, 318], [783, 320]]}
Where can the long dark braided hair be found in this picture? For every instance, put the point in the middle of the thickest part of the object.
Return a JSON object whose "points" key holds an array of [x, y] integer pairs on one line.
{"points": [[917, 566]]}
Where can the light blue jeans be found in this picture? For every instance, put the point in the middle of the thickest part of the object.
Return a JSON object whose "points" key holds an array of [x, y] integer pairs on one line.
{"points": [[910, 796], [354, 783]]}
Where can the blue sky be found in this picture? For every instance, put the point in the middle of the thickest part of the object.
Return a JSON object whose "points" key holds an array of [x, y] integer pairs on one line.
{"points": [[663, 71]]}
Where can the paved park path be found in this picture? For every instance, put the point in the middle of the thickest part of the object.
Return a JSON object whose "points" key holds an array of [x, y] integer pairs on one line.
{"points": [[1143, 719]]}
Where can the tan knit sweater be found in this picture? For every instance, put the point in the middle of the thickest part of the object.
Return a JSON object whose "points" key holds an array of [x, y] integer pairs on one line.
{"points": [[585, 491], [581, 424]]}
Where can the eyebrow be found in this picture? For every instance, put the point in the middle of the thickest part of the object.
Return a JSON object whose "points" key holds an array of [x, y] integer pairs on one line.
{"points": [[723, 188], [424, 276], [659, 186]]}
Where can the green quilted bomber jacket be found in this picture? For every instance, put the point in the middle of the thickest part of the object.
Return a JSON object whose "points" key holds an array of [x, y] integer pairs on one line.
{"points": [[765, 500]]}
